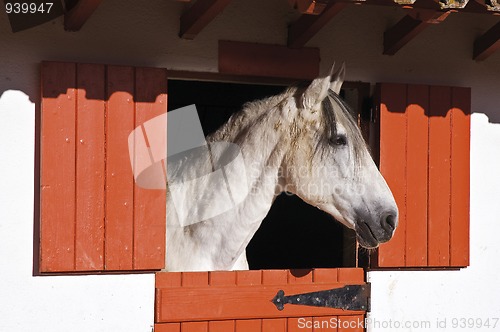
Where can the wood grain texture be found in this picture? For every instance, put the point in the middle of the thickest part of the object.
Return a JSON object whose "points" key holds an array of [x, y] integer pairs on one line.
{"points": [[171, 327], [393, 155], [90, 168], [248, 325], [222, 278], [221, 297], [435, 216], [252, 59], [460, 177], [57, 167], [149, 204], [120, 122], [417, 161], [93, 217], [439, 176]]}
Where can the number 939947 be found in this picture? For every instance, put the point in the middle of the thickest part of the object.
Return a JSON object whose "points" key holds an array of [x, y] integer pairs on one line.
{"points": [[28, 7]]}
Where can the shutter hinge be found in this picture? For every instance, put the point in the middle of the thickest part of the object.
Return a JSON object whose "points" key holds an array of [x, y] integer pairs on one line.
{"points": [[349, 297]]}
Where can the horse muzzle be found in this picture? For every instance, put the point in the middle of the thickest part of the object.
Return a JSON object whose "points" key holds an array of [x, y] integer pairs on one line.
{"points": [[371, 234]]}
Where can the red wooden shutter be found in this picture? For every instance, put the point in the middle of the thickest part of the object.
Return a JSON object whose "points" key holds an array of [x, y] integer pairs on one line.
{"points": [[93, 216], [241, 301], [424, 156]]}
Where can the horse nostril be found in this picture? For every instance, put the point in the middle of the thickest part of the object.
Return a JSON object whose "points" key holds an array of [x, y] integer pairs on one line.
{"points": [[389, 222]]}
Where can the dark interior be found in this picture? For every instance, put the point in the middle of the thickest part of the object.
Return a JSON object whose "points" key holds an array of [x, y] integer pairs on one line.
{"points": [[294, 235]]}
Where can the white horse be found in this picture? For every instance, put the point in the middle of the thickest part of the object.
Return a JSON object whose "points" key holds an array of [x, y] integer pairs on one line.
{"points": [[302, 141]]}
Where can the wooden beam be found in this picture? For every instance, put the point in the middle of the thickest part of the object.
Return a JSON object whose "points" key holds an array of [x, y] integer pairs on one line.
{"points": [[409, 27], [311, 7], [201, 13], [402, 33], [76, 17], [487, 44], [302, 30], [252, 59]]}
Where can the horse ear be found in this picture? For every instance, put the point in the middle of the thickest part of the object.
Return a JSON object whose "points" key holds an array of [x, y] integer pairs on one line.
{"points": [[316, 92], [337, 79]]}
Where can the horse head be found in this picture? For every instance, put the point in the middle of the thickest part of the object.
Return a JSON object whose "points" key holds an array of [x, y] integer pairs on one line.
{"points": [[329, 166]]}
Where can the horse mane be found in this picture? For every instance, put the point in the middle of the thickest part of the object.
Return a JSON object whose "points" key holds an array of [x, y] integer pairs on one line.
{"points": [[248, 114], [334, 111]]}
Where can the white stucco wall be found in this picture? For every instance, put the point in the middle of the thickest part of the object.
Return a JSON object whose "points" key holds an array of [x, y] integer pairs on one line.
{"points": [[442, 299], [145, 33], [58, 303]]}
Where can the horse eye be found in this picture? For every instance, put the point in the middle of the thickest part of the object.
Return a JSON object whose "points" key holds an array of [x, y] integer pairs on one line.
{"points": [[339, 140]]}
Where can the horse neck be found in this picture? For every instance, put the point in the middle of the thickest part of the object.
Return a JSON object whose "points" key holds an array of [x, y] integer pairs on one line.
{"points": [[216, 244], [263, 140]]}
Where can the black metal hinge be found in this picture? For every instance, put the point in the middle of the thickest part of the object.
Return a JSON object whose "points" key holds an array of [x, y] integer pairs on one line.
{"points": [[349, 297]]}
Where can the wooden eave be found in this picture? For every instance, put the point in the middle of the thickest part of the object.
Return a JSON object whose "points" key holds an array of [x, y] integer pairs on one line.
{"points": [[78, 12], [315, 14], [487, 44], [421, 14], [199, 15]]}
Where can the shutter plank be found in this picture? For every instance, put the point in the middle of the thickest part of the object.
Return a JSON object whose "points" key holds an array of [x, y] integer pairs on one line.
{"points": [[351, 276], [119, 180], [90, 168], [165, 280], [168, 327], [248, 278], [393, 124], [325, 276], [57, 167], [248, 325], [460, 177], [417, 161], [149, 204], [222, 278], [194, 327], [277, 277], [221, 326], [439, 176], [299, 277], [274, 325], [302, 324], [194, 279]]}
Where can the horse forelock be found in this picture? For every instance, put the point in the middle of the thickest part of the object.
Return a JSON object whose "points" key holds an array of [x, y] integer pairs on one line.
{"points": [[335, 111]]}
